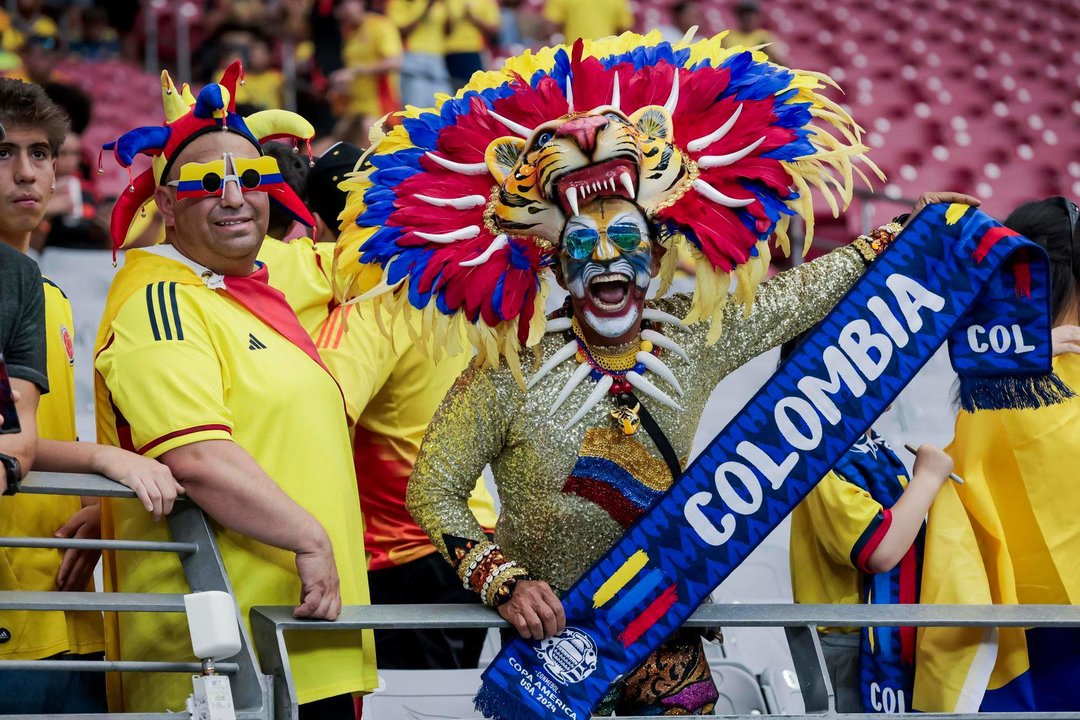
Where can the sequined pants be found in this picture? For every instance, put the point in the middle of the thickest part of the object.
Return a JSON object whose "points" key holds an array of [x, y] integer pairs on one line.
{"points": [[674, 680]]}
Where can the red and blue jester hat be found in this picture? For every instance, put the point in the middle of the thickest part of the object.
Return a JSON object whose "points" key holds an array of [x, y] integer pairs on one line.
{"points": [[457, 212], [188, 117]]}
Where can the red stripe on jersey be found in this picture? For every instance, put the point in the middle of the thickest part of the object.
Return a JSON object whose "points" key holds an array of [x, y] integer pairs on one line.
{"points": [[177, 433]]}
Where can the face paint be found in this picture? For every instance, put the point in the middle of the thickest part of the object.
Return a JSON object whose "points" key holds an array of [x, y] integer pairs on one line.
{"points": [[200, 180], [607, 265]]}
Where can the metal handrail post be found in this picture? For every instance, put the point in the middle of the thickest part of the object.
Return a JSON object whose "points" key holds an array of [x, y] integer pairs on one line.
{"points": [[269, 640], [205, 570]]}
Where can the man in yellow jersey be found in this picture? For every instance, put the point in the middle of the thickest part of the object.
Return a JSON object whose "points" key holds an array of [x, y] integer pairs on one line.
{"points": [[472, 23], [592, 19], [201, 363], [371, 52], [35, 129], [748, 31], [422, 24], [299, 268], [392, 390]]}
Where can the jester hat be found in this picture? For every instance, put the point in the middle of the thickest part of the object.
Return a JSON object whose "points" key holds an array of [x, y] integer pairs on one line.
{"points": [[187, 118], [737, 143]]}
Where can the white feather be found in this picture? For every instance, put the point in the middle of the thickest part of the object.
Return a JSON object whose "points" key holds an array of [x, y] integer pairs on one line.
{"points": [[497, 244], [673, 98], [705, 141], [465, 233], [616, 94], [460, 168], [516, 127], [712, 161], [458, 203], [714, 195]]}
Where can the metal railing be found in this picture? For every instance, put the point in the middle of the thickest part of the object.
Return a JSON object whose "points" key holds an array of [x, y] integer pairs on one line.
{"points": [[263, 688], [268, 625], [193, 542]]}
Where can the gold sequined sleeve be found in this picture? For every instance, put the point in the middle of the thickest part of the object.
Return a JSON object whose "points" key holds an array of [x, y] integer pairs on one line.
{"points": [[784, 306], [468, 431]]}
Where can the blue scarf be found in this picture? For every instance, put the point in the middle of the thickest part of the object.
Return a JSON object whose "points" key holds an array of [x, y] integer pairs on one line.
{"points": [[953, 275], [887, 655]]}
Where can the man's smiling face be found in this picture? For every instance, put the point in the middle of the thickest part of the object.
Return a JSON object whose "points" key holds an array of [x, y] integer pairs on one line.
{"points": [[223, 232]]}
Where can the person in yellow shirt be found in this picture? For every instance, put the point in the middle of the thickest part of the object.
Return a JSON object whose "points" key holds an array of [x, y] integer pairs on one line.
{"points": [[372, 54], [472, 23], [748, 31], [392, 390], [422, 24], [1008, 535], [202, 363], [35, 128], [591, 20], [857, 538]]}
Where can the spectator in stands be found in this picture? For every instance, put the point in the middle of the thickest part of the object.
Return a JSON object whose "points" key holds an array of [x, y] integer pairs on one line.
{"points": [[472, 25], [263, 83], [368, 83], [392, 390], [71, 218], [97, 41], [299, 268], [422, 24], [748, 31], [22, 343], [511, 39], [862, 522], [36, 128], [1008, 535], [686, 14], [592, 19], [201, 363]]}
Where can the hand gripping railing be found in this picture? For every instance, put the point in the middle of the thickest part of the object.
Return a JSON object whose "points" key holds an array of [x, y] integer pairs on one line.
{"points": [[193, 541], [268, 625]]}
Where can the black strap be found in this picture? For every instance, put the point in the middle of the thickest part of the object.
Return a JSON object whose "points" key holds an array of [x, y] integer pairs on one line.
{"points": [[658, 437]]}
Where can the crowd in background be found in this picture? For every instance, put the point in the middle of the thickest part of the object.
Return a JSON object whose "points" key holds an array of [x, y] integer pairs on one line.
{"points": [[347, 63]]}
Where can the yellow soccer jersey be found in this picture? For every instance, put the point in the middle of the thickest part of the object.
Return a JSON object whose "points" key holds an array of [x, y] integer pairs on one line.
{"points": [[825, 527], [36, 635], [592, 19], [178, 362], [301, 270], [464, 35], [376, 39], [429, 34], [392, 390]]}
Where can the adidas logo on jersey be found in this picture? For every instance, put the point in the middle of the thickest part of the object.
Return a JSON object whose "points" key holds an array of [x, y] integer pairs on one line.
{"points": [[254, 343]]}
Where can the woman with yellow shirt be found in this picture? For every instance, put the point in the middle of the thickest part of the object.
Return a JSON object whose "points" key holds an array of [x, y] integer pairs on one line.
{"points": [[372, 56], [472, 22], [422, 24]]}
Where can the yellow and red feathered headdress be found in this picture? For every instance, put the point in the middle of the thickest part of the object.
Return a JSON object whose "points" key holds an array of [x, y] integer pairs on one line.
{"points": [[457, 211], [188, 117]]}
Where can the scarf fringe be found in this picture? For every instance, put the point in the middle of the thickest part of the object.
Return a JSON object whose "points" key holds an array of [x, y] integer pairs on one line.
{"points": [[493, 702], [1012, 393]]}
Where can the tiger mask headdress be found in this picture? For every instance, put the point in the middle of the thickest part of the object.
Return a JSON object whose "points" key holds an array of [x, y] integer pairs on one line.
{"points": [[458, 211], [545, 178]]}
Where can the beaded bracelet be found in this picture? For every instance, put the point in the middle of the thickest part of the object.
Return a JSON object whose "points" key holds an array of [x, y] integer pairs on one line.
{"points": [[871, 246], [470, 562], [494, 574], [502, 588]]}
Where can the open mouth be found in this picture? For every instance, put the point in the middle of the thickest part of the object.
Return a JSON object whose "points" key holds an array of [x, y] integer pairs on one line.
{"points": [[610, 292], [612, 178]]}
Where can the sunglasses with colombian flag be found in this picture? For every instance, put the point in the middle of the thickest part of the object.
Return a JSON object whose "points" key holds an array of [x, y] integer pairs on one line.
{"points": [[261, 174]]}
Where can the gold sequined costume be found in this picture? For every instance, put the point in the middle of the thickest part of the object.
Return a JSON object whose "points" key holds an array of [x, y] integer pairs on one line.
{"points": [[488, 418]]}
